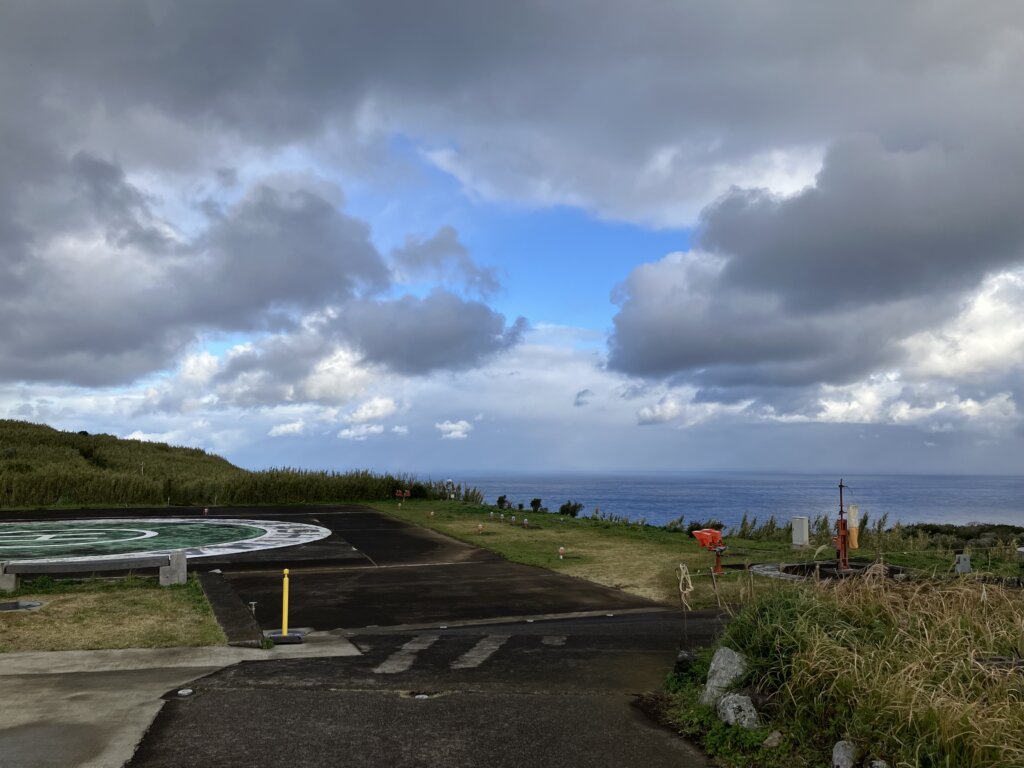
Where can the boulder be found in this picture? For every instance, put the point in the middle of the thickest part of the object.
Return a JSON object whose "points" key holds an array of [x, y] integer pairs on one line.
{"points": [[877, 764], [727, 667], [844, 755], [737, 709]]}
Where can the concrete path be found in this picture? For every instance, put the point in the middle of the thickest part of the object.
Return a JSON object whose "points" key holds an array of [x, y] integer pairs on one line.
{"points": [[89, 709]]}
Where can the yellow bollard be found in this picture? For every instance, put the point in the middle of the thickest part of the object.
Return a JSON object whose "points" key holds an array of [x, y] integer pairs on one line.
{"points": [[284, 605]]}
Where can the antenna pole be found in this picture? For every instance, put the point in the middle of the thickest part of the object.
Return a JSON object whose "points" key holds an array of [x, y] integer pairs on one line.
{"points": [[843, 539]]}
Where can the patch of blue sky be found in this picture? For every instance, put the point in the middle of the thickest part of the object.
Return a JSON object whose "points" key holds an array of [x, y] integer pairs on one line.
{"points": [[218, 344], [557, 264]]}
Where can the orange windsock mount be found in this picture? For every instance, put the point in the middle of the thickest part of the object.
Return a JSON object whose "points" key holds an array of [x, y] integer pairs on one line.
{"points": [[711, 540]]}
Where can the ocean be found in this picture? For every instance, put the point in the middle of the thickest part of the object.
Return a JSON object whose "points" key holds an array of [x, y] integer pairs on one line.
{"points": [[659, 497]]}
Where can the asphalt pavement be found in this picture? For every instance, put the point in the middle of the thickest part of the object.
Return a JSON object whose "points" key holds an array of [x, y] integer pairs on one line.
{"points": [[462, 658]]}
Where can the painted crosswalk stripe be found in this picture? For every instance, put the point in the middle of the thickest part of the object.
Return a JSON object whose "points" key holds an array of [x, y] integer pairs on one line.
{"points": [[480, 652], [402, 659]]}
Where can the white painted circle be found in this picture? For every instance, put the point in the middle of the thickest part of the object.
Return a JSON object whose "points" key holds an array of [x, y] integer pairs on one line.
{"points": [[71, 537], [276, 533]]}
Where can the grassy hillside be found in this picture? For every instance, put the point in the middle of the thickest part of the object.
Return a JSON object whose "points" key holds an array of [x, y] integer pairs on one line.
{"points": [[42, 466]]}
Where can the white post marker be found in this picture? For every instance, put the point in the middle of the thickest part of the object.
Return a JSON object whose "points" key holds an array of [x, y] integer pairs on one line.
{"points": [[561, 553]]}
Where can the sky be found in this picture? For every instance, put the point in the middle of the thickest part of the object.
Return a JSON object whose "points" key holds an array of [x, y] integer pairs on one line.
{"points": [[478, 236]]}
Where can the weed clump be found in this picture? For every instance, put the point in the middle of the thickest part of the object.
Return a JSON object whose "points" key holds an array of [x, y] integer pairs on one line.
{"points": [[903, 669]]}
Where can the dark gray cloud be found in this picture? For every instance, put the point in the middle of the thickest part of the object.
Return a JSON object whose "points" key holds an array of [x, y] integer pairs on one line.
{"points": [[444, 258], [653, 111], [292, 249], [106, 312], [325, 361], [132, 308], [879, 225], [582, 398], [510, 92], [118, 207], [414, 335], [825, 286]]}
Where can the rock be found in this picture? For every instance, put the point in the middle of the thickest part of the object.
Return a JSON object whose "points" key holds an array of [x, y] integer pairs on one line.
{"points": [[877, 764], [737, 709], [773, 740], [727, 667], [844, 754], [684, 660]]}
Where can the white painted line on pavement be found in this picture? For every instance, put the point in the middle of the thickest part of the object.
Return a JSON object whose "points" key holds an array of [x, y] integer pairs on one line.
{"points": [[480, 652], [554, 640], [402, 659]]}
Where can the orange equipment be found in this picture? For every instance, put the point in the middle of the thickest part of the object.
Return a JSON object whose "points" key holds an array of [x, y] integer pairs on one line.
{"points": [[711, 540]]}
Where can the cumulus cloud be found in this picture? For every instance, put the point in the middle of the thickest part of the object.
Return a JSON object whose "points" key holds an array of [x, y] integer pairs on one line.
{"points": [[107, 308], [290, 428], [454, 430], [417, 335], [666, 409], [835, 283], [110, 300], [373, 409], [361, 431], [908, 215], [443, 257]]}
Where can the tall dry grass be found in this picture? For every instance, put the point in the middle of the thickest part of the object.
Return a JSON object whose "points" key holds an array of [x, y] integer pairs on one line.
{"points": [[904, 670]]}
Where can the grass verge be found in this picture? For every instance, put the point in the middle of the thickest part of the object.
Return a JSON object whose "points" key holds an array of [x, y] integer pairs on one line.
{"points": [[639, 559], [902, 670], [126, 613]]}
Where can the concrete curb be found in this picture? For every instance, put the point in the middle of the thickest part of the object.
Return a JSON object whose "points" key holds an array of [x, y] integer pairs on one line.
{"points": [[232, 614]]}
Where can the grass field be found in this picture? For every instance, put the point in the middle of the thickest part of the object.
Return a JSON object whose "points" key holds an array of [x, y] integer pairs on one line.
{"points": [[642, 560], [129, 613]]}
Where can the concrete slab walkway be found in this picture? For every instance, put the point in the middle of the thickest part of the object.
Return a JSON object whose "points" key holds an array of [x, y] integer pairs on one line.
{"points": [[90, 709]]}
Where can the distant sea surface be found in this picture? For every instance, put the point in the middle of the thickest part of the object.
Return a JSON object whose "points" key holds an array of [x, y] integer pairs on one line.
{"points": [[660, 497]]}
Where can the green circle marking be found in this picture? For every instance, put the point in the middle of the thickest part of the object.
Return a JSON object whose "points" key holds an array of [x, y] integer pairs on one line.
{"points": [[84, 538]]}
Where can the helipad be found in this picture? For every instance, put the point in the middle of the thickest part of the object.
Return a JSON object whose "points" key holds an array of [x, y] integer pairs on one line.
{"points": [[123, 537]]}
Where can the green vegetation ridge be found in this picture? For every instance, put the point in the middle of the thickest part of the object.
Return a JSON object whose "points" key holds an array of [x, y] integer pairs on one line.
{"points": [[43, 467]]}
